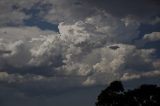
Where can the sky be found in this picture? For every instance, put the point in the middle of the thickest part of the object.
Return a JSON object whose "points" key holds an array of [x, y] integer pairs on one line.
{"points": [[64, 52]]}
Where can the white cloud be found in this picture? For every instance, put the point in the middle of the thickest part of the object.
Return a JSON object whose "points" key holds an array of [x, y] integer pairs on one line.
{"points": [[12, 34], [154, 36], [132, 76], [19, 42]]}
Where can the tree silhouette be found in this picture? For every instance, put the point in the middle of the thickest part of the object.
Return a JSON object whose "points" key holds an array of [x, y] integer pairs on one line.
{"points": [[114, 95]]}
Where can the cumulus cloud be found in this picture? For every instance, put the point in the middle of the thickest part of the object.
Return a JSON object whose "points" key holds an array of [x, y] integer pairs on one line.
{"points": [[15, 44], [82, 50]]}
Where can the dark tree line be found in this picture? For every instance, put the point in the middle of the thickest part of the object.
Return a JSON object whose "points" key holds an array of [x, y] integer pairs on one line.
{"points": [[115, 95]]}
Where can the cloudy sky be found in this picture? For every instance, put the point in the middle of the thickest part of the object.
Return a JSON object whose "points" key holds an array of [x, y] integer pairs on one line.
{"points": [[64, 52]]}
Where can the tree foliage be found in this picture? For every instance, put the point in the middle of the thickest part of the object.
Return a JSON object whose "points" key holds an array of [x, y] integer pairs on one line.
{"points": [[115, 95]]}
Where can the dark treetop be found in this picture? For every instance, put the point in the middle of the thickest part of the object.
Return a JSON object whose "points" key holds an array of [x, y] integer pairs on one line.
{"points": [[114, 95]]}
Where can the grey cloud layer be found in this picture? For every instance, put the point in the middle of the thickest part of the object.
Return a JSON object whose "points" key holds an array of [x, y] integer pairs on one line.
{"points": [[15, 12], [54, 11]]}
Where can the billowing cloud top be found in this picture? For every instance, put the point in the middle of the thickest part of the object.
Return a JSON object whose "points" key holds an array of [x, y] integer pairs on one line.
{"points": [[82, 50]]}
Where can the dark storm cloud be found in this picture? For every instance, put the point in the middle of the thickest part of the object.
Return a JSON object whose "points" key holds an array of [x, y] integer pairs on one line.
{"points": [[121, 8], [43, 94], [55, 11]]}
